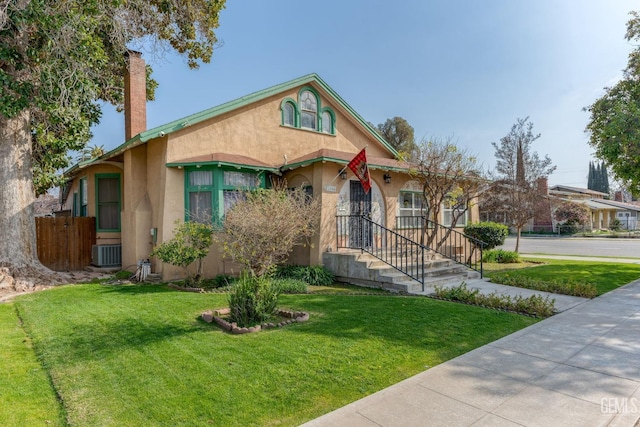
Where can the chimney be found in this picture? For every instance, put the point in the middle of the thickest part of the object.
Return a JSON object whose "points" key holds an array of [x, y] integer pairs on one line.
{"points": [[135, 95], [543, 186], [618, 196]]}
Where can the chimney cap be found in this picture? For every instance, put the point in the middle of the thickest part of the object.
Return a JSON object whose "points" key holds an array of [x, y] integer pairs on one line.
{"points": [[131, 52]]}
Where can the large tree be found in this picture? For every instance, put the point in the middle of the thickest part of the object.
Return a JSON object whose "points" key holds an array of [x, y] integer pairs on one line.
{"points": [[614, 123], [399, 133], [57, 61], [519, 171]]}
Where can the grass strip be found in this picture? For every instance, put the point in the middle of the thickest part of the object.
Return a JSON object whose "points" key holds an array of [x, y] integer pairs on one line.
{"points": [[26, 396], [605, 276]]}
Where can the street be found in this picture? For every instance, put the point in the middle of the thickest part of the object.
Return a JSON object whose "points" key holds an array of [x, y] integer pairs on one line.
{"points": [[583, 246]]}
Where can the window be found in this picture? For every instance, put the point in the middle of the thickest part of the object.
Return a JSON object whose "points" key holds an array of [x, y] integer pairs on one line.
{"points": [[409, 209], [451, 209], [327, 122], [288, 114], [410, 203], [210, 193], [307, 112], [108, 202], [83, 197]]}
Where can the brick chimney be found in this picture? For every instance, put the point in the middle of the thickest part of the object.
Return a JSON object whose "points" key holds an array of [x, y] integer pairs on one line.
{"points": [[135, 95], [543, 186], [618, 196]]}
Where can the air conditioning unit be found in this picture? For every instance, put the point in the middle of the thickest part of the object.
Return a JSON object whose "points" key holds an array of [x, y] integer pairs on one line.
{"points": [[106, 255]]}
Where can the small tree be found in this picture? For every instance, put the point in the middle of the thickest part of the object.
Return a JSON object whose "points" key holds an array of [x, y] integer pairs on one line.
{"points": [[448, 176], [191, 243], [572, 214], [261, 230], [516, 188]]}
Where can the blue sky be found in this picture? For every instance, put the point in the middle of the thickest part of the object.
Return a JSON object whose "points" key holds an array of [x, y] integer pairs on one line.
{"points": [[456, 69]]}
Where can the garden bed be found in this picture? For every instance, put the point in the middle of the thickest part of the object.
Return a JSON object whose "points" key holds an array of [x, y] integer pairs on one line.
{"points": [[221, 316]]}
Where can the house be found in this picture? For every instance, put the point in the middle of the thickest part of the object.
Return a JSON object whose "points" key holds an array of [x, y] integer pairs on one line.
{"points": [[193, 167], [602, 213]]}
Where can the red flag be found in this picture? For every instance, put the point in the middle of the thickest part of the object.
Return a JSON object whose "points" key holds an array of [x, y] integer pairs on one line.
{"points": [[359, 166]]}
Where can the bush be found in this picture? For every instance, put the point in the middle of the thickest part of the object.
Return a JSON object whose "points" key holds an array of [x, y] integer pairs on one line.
{"points": [[534, 305], [491, 233], [615, 225], [564, 287], [289, 286], [252, 300], [314, 275], [501, 256], [190, 244]]}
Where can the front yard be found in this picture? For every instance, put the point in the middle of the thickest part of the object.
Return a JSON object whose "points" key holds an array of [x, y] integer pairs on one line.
{"points": [[130, 355], [138, 354]]}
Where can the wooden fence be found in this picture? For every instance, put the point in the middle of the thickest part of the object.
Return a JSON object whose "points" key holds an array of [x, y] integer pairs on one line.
{"points": [[64, 243]]}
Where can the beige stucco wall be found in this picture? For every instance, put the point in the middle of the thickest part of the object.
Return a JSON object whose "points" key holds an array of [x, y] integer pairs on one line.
{"points": [[255, 131]]}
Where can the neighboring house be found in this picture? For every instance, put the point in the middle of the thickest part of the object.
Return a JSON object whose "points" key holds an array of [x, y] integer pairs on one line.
{"points": [[193, 167], [601, 213], [627, 213]]}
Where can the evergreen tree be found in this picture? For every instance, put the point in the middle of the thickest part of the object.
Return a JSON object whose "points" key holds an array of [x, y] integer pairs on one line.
{"points": [[591, 176]]}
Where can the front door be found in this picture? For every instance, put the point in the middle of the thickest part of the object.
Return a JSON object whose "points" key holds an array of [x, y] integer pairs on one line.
{"points": [[360, 232]]}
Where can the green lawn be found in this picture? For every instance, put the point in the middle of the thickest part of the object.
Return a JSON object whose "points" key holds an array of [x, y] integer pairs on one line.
{"points": [[606, 276], [139, 355], [26, 396]]}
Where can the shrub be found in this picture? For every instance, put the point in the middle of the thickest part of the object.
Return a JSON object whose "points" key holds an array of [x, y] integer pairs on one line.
{"points": [[252, 300], [289, 286], [190, 244], [491, 233], [534, 305], [615, 225], [501, 256], [564, 287], [314, 275], [262, 228]]}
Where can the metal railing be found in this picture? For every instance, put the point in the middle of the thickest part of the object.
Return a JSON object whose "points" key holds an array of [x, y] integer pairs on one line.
{"points": [[400, 252], [444, 240], [407, 247]]}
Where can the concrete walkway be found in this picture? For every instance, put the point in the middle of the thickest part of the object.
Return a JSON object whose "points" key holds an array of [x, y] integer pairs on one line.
{"points": [[577, 368]]}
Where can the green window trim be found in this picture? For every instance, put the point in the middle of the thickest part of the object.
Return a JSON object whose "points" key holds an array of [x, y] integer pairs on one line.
{"points": [[83, 197], [296, 114], [322, 114], [214, 194], [117, 203]]}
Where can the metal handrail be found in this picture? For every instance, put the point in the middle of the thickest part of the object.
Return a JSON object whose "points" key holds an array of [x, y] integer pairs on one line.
{"points": [[405, 248], [444, 240], [400, 252]]}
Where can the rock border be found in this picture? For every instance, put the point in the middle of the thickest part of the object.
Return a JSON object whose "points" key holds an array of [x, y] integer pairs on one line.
{"points": [[211, 316]]}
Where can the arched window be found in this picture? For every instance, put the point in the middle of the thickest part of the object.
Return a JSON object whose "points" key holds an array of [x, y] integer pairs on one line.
{"points": [[308, 110], [288, 114], [327, 122]]}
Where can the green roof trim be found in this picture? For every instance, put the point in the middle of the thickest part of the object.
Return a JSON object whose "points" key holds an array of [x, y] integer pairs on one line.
{"points": [[370, 165], [224, 164], [179, 124]]}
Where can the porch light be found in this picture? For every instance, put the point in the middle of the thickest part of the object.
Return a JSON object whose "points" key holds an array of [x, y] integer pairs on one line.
{"points": [[343, 173], [387, 178]]}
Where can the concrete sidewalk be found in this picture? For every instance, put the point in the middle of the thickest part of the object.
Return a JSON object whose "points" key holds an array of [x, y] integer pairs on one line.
{"points": [[577, 368]]}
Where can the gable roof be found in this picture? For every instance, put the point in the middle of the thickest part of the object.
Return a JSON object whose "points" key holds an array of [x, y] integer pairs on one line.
{"points": [[179, 124], [621, 205], [577, 190]]}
